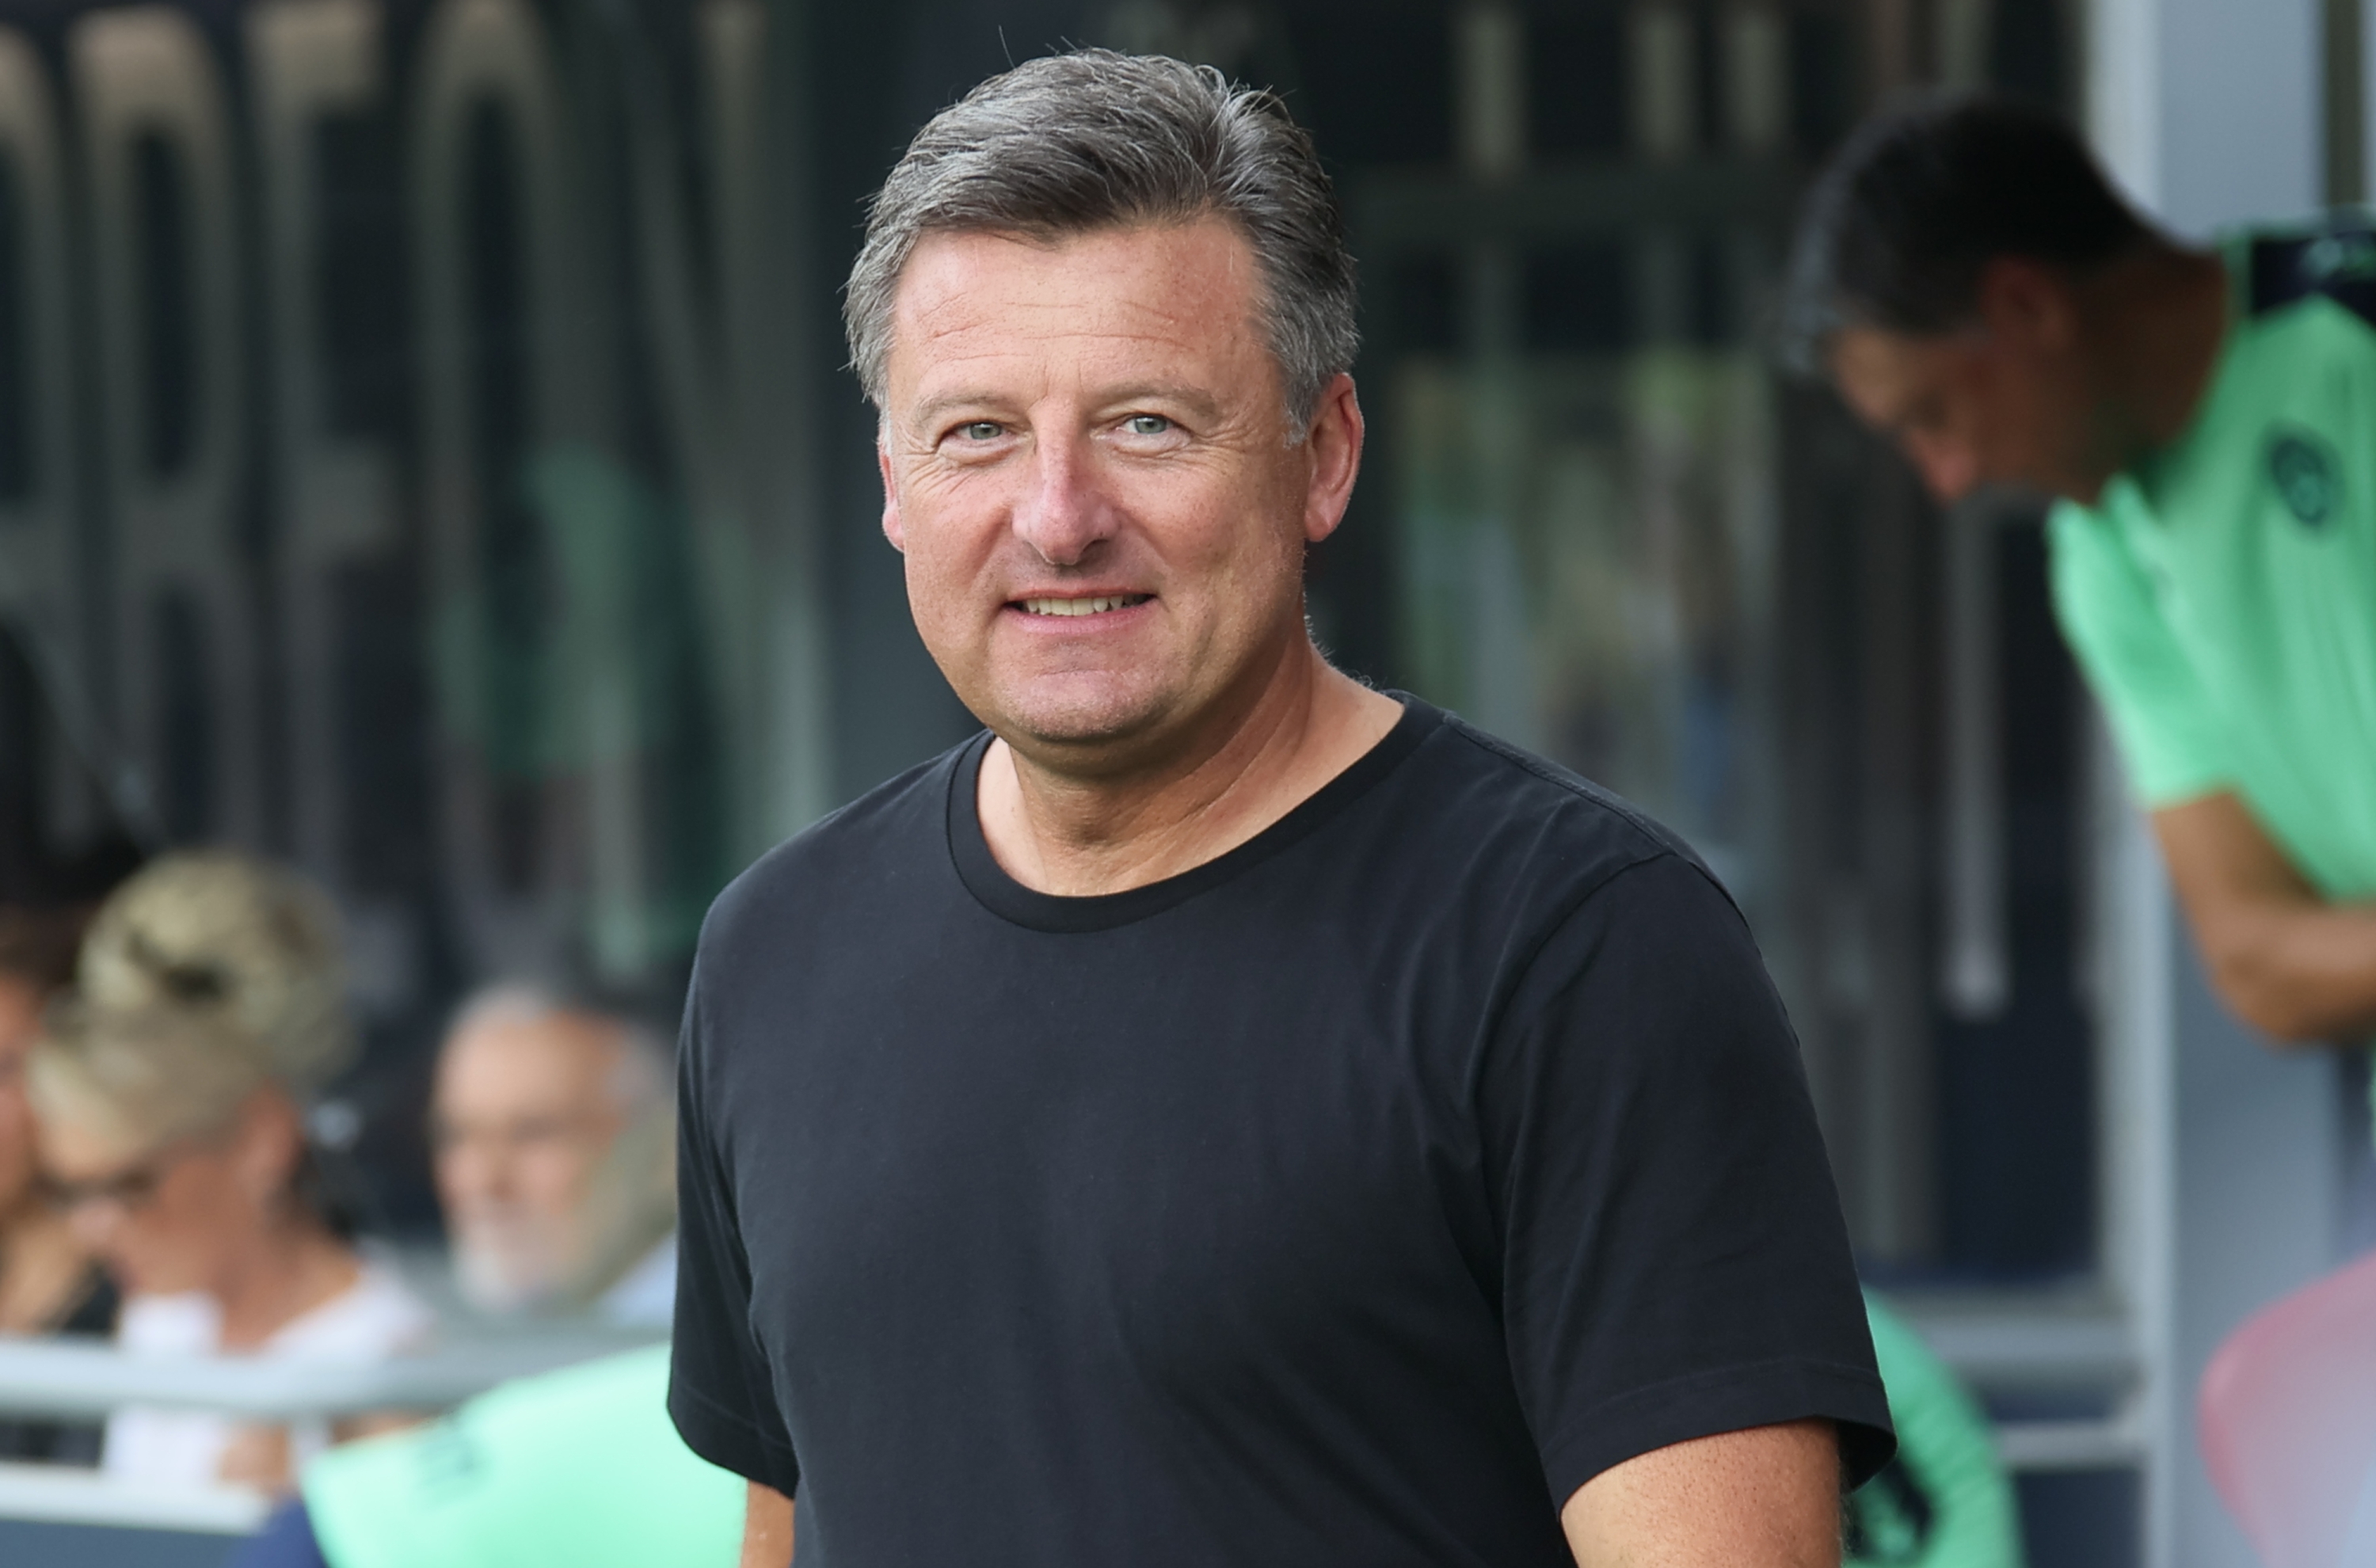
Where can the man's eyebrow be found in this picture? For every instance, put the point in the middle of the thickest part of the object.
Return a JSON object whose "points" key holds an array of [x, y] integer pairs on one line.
{"points": [[1179, 394], [1193, 399], [932, 408]]}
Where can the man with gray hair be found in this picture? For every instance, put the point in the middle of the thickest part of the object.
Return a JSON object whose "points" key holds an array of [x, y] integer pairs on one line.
{"points": [[551, 1131], [1222, 1114]]}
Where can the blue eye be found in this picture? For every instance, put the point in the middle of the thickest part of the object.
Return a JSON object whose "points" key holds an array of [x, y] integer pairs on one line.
{"points": [[979, 429], [1147, 424]]}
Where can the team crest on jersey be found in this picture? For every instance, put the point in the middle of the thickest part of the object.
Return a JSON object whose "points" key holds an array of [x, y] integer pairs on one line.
{"points": [[2305, 475]]}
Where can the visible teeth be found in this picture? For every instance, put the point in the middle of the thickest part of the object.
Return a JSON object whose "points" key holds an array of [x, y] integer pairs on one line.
{"points": [[1097, 606]]}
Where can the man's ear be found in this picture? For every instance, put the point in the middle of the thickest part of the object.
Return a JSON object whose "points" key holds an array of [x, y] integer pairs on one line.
{"points": [[2028, 303], [1333, 448], [891, 528]]}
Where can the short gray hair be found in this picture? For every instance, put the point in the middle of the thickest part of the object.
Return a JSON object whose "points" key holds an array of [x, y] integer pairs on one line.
{"points": [[643, 1074], [1096, 139]]}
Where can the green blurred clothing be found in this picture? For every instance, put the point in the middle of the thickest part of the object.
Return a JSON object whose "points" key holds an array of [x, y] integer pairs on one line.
{"points": [[578, 1468], [2221, 596], [1946, 1502]]}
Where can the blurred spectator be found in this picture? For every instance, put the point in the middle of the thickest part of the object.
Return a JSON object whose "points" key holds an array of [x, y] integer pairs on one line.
{"points": [[579, 1467], [1946, 1500], [48, 1282], [554, 1132], [209, 1002], [1979, 291]]}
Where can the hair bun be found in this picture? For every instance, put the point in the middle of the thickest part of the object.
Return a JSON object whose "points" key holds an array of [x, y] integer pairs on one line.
{"points": [[247, 950]]}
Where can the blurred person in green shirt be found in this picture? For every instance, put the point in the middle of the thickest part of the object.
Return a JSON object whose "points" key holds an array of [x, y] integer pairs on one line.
{"points": [[578, 1468], [2205, 420], [1945, 1501]]}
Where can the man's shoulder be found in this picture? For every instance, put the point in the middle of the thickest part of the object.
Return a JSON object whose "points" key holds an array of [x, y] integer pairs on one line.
{"points": [[901, 820], [1536, 828], [2330, 263], [2286, 357]]}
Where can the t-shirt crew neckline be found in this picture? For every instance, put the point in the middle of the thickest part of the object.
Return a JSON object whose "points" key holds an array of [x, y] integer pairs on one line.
{"points": [[1027, 906]]}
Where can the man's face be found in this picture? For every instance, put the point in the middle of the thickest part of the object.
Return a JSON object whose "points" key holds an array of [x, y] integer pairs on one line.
{"points": [[1085, 462], [2011, 399], [526, 1111], [1968, 411]]}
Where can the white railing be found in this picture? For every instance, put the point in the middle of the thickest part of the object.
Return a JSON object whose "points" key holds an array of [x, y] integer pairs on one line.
{"points": [[2056, 1343], [62, 1494], [46, 1379]]}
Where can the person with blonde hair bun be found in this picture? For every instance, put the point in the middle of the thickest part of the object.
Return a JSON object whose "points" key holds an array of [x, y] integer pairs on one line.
{"points": [[170, 1088]]}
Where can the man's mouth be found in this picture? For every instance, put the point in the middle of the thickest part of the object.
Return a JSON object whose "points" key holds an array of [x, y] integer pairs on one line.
{"points": [[1097, 604]]}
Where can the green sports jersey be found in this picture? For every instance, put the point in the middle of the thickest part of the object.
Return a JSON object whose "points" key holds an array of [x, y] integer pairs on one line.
{"points": [[2221, 596], [579, 1467], [1945, 1501]]}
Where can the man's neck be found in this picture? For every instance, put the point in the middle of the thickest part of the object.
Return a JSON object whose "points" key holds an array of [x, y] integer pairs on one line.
{"points": [[1082, 834], [2164, 316]]}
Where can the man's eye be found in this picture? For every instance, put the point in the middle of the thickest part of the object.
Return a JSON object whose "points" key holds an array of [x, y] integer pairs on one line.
{"points": [[1146, 424], [979, 429]]}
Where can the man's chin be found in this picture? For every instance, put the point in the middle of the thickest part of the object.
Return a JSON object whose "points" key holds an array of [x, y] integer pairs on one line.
{"points": [[1081, 723], [502, 1287]]}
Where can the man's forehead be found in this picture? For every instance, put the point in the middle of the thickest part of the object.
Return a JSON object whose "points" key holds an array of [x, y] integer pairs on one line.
{"points": [[558, 1052], [974, 300], [1880, 371]]}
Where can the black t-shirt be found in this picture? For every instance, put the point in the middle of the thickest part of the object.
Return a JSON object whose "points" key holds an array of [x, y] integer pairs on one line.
{"points": [[1350, 1199]]}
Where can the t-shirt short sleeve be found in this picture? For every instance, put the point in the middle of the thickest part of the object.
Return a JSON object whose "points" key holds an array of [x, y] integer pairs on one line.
{"points": [[1674, 1262], [721, 1393], [2170, 735]]}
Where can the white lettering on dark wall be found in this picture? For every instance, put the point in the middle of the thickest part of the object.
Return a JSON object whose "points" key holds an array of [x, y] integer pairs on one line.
{"points": [[156, 141], [500, 484]]}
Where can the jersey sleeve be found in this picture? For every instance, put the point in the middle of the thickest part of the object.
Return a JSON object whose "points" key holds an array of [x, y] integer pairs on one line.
{"points": [[1674, 1261], [2168, 734], [721, 1391]]}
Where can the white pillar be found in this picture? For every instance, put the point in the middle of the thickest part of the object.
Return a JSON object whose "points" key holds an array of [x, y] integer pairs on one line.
{"points": [[2208, 111]]}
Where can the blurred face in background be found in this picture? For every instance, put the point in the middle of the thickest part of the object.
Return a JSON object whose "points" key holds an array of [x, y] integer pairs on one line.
{"points": [[2010, 400], [528, 1108], [20, 1025], [187, 1215]]}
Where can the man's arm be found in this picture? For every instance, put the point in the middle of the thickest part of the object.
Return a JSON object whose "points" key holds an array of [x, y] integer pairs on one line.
{"points": [[2288, 963], [1768, 1497], [766, 1528]]}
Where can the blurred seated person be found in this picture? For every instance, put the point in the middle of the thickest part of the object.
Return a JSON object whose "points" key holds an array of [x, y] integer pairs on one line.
{"points": [[579, 1467], [49, 1283], [554, 1132], [170, 1088], [1946, 1500]]}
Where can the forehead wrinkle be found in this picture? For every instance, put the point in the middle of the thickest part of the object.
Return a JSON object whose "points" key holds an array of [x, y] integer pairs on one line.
{"points": [[1155, 325], [964, 326]]}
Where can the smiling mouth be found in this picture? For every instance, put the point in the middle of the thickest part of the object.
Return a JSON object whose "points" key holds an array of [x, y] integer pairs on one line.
{"points": [[1098, 604]]}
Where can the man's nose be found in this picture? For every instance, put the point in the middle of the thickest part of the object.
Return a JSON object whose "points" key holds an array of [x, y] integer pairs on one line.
{"points": [[94, 1225], [472, 1171], [1950, 469], [1061, 513]]}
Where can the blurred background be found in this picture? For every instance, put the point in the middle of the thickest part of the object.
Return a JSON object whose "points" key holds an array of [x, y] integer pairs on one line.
{"points": [[426, 458]]}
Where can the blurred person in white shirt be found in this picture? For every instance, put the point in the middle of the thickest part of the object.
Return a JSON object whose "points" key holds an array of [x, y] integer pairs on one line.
{"points": [[171, 1088], [553, 1127]]}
